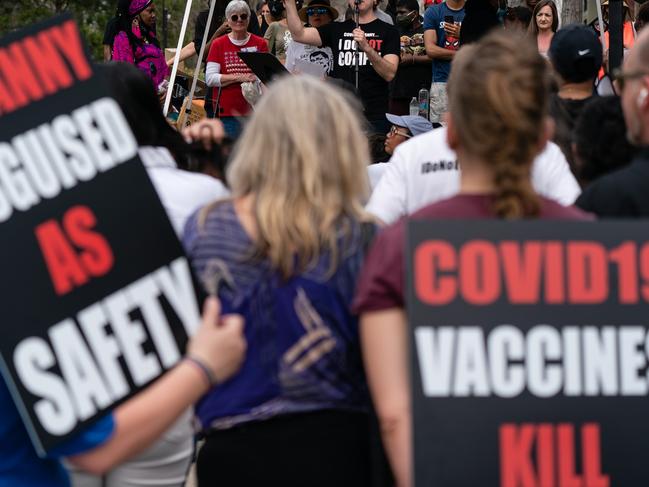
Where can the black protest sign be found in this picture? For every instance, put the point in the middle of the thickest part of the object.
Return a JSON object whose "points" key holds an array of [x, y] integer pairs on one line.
{"points": [[529, 346], [97, 296]]}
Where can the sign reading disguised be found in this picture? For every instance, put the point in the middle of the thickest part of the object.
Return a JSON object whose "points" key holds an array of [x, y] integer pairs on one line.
{"points": [[530, 350], [97, 296]]}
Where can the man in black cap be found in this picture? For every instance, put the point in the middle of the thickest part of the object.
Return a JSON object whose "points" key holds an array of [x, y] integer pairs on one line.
{"points": [[576, 55]]}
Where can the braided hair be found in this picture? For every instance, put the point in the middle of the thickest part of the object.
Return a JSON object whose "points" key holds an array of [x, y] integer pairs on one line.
{"points": [[498, 99]]}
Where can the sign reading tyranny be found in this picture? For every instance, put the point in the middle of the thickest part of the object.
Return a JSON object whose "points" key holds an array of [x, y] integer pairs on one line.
{"points": [[530, 346], [97, 297]]}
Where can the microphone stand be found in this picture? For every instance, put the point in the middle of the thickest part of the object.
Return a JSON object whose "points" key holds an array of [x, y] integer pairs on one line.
{"points": [[356, 53]]}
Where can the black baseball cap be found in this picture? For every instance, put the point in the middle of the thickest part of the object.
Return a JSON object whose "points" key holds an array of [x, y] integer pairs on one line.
{"points": [[576, 53]]}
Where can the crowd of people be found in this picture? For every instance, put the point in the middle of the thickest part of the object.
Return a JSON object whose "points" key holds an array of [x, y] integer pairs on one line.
{"points": [[292, 209]]}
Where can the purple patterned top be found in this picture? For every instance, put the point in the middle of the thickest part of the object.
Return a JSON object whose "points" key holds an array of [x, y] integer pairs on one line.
{"points": [[303, 347], [147, 57]]}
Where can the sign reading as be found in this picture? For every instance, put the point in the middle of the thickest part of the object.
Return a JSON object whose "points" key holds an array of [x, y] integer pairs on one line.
{"points": [[530, 346], [97, 296]]}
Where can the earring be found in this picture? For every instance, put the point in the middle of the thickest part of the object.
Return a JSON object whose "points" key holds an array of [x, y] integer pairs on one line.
{"points": [[135, 27]]}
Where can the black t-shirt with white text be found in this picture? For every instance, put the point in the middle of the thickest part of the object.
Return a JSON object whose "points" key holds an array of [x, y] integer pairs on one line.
{"points": [[383, 38]]}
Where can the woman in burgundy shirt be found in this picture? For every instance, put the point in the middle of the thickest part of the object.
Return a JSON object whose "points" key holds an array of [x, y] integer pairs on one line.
{"points": [[495, 146]]}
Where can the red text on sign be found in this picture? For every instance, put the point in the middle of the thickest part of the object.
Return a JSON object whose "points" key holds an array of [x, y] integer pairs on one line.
{"points": [[73, 252], [544, 455], [41, 65], [576, 272]]}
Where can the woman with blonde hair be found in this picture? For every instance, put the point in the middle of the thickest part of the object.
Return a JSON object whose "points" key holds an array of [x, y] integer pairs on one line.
{"points": [[495, 148], [545, 22], [285, 252]]}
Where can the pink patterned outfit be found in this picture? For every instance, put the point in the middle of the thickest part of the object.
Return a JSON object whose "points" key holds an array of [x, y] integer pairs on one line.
{"points": [[146, 56]]}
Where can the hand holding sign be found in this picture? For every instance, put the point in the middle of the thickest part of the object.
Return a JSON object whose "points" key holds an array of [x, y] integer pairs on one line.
{"points": [[146, 416]]}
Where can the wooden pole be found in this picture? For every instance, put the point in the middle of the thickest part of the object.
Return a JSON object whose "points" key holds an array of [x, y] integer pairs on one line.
{"points": [[188, 106], [174, 71]]}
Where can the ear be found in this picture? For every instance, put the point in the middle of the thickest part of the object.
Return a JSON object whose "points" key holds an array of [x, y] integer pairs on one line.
{"points": [[452, 138]]}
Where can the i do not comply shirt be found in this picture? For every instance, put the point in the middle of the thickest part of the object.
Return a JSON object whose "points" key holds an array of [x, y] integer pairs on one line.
{"points": [[383, 38]]}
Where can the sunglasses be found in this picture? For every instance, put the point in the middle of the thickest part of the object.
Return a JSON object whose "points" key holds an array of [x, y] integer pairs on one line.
{"points": [[235, 17], [395, 131], [317, 11], [621, 78]]}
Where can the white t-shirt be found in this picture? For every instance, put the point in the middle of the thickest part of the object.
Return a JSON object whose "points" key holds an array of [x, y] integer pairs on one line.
{"points": [[424, 170], [375, 173], [319, 56], [181, 192]]}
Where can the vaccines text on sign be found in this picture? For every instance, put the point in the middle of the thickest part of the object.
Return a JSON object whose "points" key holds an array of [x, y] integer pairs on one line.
{"points": [[506, 362]]}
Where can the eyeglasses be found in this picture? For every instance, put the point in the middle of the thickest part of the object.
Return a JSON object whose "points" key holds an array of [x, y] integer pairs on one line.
{"points": [[317, 11], [395, 131], [621, 78], [235, 17]]}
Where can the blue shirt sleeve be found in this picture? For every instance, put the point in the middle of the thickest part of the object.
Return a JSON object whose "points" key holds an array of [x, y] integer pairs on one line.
{"points": [[430, 21], [89, 438]]}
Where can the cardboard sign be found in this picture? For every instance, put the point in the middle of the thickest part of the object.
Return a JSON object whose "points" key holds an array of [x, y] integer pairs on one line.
{"points": [[529, 346], [96, 294]]}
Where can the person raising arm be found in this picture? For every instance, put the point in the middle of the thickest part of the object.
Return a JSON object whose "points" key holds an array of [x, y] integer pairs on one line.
{"points": [[377, 55], [386, 67]]}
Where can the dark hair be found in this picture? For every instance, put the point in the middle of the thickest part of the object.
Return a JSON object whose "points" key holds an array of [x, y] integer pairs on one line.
{"points": [[133, 91], [122, 8], [533, 28], [125, 23], [600, 139], [508, 79], [520, 14], [642, 17], [409, 4], [276, 8], [481, 17], [377, 148]]}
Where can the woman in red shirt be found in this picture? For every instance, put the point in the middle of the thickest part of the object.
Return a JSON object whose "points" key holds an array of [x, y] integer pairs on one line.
{"points": [[506, 77], [225, 69]]}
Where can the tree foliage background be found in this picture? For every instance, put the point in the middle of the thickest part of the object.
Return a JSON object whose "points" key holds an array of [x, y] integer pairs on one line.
{"points": [[92, 16]]}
